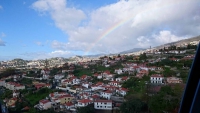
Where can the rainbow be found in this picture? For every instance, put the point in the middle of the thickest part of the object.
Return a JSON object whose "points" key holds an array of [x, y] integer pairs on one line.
{"points": [[122, 22]]}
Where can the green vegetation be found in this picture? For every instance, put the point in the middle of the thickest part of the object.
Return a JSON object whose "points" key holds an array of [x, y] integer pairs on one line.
{"points": [[87, 109], [168, 72], [34, 97], [143, 57], [167, 100], [6, 94], [26, 81], [132, 106], [8, 72]]}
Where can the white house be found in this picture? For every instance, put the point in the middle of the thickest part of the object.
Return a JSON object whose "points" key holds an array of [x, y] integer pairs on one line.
{"points": [[66, 82], [44, 104], [45, 71], [2, 82], [122, 91], [157, 78], [69, 105], [103, 104], [118, 79], [115, 83], [99, 76], [58, 77], [76, 81], [86, 84], [96, 87], [14, 86], [45, 76], [106, 94], [84, 102], [174, 80]]}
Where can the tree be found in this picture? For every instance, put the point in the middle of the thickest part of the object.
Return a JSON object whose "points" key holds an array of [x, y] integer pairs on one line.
{"points": [[86, 109], [143, 56], [168, 99], [167, 72], [132, 106], [8, 72]]}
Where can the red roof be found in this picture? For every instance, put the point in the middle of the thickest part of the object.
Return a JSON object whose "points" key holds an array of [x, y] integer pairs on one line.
{"points": [[157, 75], [96, 74], [103, 101], [85, 101], [125, 78], [95, 96], [99, 83], [44, 101], [63, 96], [107, 72], [73, 77], [108, 91], [68, 104], [114, 82], [124, 89], [84, 77]]}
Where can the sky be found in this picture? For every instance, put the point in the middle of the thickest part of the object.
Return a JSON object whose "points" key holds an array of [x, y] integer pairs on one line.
{"points": [[40, 29]]}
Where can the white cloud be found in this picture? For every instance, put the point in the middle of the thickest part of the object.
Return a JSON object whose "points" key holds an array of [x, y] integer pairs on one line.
{"points": [[39, 43], [123, 25], [65, 18], [166, 37], [3, 34], [2, 43], [162, 37], [1, 7]]}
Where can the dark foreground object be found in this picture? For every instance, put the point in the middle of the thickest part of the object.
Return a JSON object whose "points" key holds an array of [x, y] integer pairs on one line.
{"points": [[191, 98]]}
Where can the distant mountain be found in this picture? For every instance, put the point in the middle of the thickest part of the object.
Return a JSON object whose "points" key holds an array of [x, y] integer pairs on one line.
{"points": [[97, 55], [197, 38], [131, 50]]}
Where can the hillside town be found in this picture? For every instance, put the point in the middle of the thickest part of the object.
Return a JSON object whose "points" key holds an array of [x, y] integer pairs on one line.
{"points": [[107, 83]]}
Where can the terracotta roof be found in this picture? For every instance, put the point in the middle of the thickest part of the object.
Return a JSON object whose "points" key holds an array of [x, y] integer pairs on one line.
{"points": [[108, 91], [157, 75], [64, 96], [103, 101], [107, 72], [68, 104], [99, 83], [124, 89], [95, 96], [85, 101], [83, 76], [125, 78], [44, 101]]}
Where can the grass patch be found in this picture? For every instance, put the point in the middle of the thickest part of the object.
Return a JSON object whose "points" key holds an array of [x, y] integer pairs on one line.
{"points": [[34, 97]]}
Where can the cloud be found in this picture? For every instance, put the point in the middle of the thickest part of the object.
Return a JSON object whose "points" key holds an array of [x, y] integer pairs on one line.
{"points": [[2, 43], [39, 43], [3, 34], [1, 7], [162, 37], [123, 25], [65, 18]]}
